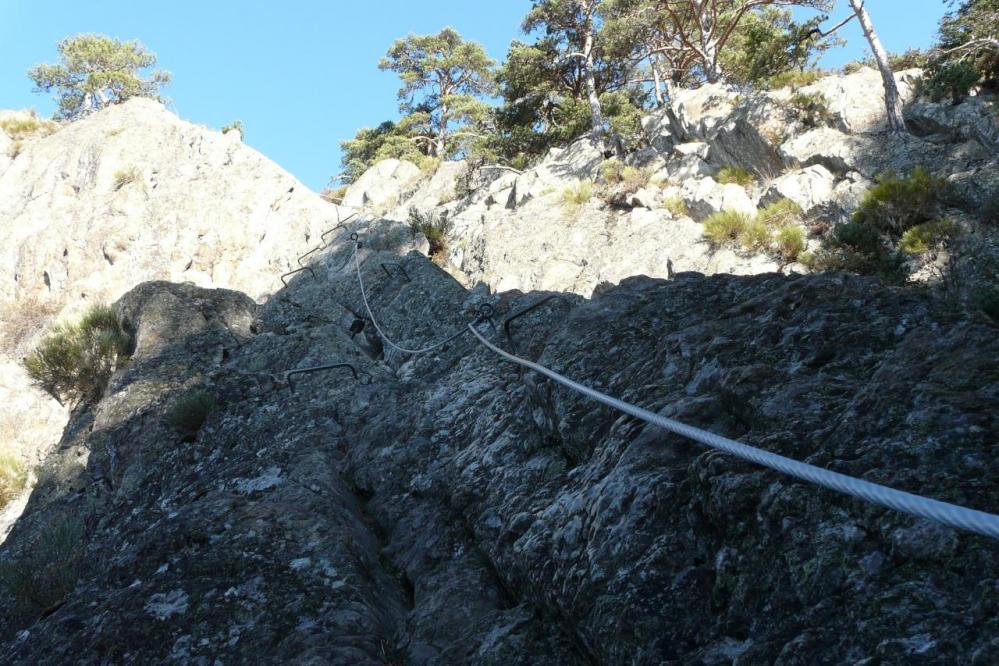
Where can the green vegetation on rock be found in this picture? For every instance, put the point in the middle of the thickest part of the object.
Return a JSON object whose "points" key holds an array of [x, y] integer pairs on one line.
{"points": [[75, 361], [95, 71]]}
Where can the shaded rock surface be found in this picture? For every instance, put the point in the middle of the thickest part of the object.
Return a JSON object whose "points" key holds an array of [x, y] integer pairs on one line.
{"points": [[454, 510], [130, 194]]}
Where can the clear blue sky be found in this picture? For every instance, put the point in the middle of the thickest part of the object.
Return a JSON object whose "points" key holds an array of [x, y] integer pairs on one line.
{"points": [[302, 74]]}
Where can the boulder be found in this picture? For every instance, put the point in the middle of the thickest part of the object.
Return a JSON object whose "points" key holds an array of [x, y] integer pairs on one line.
{"points": [[856, 101], [700, 111], [382, 186], [810, 188], [658, 130], [838, 152], [643, 198], [441, 188], [750, 137], [971, 120], [704, 197], [692, 149]]}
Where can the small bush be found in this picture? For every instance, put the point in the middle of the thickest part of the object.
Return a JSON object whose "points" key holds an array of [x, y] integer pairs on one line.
{"points": [[951, 81], [725, 227], [187, 413], [790, 243], [13, 478], [922, 238], [435, 229], [15, 148], [335, 195], [577, 195], [782, 213], [612, 171], [757, 236], [235, 126], [733, 175], [46, 572], [793, 78], [123, 177], [677, 207], [429, 165], [75, 361], [634, 179], [896, 204], [812, 109], [858, 248], [23, 128]]}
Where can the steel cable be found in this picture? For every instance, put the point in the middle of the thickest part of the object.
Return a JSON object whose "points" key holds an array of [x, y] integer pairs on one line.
{"points": [[980, 522], [371, 315]]}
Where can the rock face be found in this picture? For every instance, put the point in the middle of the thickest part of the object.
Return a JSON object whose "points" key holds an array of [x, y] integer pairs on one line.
{"points": [[131, 194], [454, 510]]}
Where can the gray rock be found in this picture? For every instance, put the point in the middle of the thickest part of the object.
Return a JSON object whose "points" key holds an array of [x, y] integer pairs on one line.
{"points": [[856, 100], [448, 510], [704, 197], [810, 188], [382, 186], [971, 120]]}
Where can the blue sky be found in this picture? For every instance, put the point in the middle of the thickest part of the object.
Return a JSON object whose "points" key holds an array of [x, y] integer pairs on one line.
{"points": [[302, 74]]}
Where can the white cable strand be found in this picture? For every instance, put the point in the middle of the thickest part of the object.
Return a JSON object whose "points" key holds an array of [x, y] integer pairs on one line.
{"points": [[986, 524], [388, 341]]}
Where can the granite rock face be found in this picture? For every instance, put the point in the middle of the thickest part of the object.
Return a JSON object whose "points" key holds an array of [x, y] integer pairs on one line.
{"points": [[126, 195], [455, 510]]}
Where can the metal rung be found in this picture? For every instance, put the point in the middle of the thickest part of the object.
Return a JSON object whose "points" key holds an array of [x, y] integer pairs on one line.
{"points": [[362, 377]]}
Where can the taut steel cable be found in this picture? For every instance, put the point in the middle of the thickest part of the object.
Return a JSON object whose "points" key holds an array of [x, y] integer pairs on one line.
{"points": [[986, 524]]}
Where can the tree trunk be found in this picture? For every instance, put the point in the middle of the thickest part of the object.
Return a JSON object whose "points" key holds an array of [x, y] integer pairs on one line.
{"points": [[893, 101], [596, 113], [440, 145], [658, 79]]}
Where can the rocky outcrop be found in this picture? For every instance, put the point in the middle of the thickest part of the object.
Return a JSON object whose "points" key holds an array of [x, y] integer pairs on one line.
{"points": [[455, 510], [129, 194]]}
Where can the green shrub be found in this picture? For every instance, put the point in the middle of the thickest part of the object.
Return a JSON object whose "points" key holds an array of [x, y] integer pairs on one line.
{"points": [[725, 227], [46, 571], [577, 195], [435, 229], [812, 109], [23, 128], [781, 213], [858, 248], [15, 148], [922, 238], [733, 175], [612, 171], [677, 207], [794, 78], [790, 243], [896, 204], [950, 81], [235, 126], [187, 413], [13, 478], [123, 177], [75, 361], [634, 178], [757, 236]]}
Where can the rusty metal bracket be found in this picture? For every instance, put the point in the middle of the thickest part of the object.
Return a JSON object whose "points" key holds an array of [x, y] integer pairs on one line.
{"points": [[523, 311], [363, 377], [289, 274]]}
